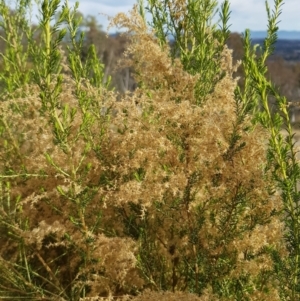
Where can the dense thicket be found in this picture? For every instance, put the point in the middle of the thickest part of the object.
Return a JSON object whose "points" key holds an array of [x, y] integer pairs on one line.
{"points": [[179, 188]]}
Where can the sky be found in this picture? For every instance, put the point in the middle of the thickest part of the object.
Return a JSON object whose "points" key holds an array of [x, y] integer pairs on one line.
{"points": [[244, 13]]}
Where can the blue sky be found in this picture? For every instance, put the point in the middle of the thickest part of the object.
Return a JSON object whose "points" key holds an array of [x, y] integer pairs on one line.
{"points": [[245, 13]]}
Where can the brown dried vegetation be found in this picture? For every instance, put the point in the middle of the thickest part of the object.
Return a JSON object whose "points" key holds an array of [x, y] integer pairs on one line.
{"points": [[143, 195]]}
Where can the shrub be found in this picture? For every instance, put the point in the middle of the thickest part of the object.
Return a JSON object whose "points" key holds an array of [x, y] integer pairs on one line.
{"points": [[170, 189]]}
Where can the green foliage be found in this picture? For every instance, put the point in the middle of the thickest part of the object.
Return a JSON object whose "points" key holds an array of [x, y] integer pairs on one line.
{"points": [[282, 154], [197, 42], [15, 60]]}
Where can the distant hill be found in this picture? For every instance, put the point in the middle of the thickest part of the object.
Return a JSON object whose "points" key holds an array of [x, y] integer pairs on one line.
{"points": [[287, 45], [282, 35], [287, 48]]}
